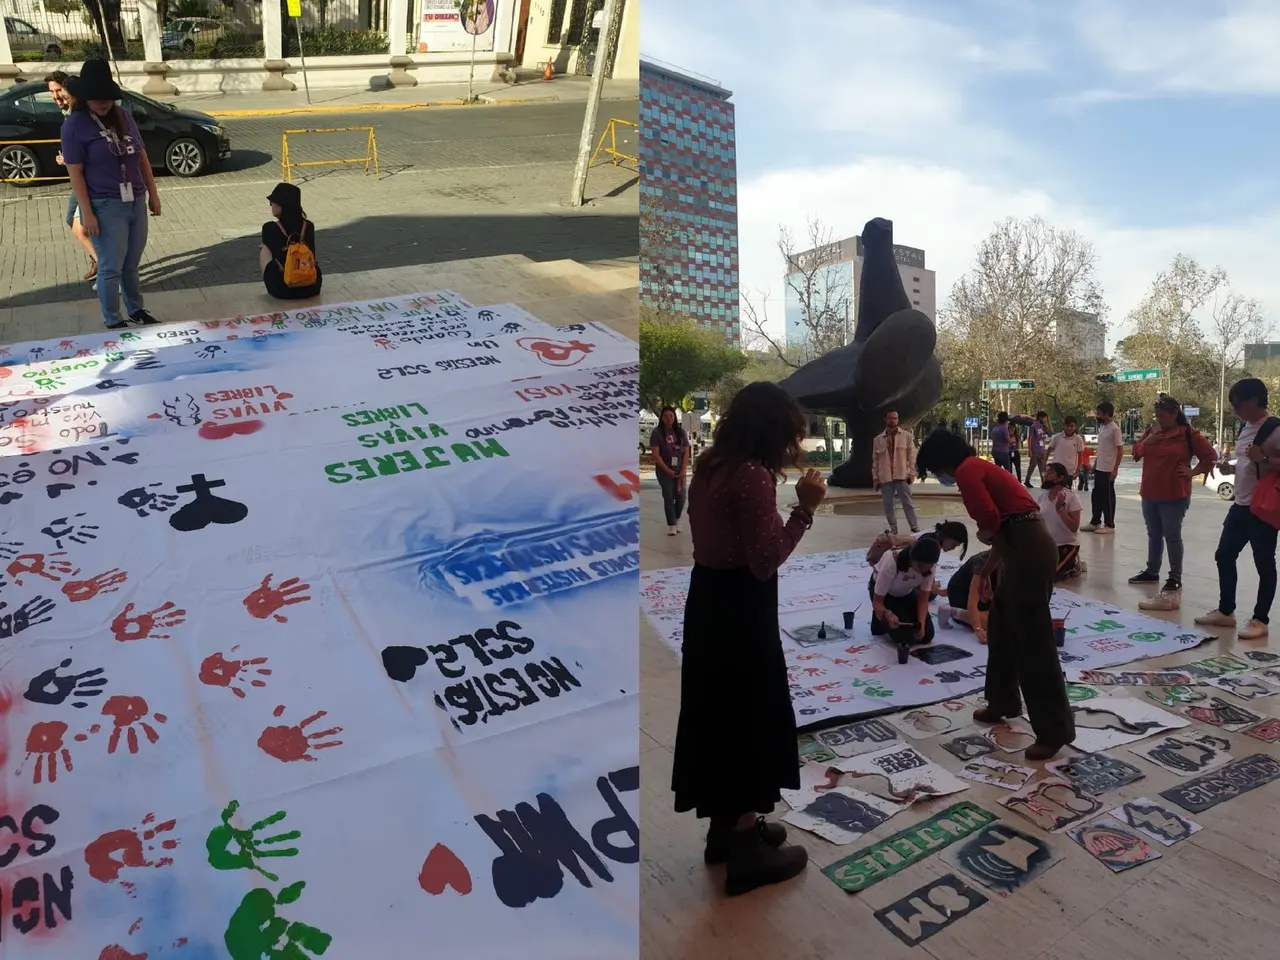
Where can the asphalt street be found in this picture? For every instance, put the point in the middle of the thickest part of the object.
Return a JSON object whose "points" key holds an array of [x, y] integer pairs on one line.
{"points": [[455, 183]]}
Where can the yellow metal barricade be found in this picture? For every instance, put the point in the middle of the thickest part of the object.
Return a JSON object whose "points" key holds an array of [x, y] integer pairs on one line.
{"points": [[26, 143], [370, 152], [608, 145]]}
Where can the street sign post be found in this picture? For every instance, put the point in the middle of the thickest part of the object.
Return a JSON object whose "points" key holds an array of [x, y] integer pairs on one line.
{"points": [[476, 17], [294, 9], [970, 423], [1009, 384]]}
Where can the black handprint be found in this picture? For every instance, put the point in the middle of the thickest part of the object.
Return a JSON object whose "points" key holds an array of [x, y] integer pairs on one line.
{"points": [[37, 352], [110, 383], [512, 328], [146, 502], [209, 352], [48, 687], [26, 616], [63, 529], [10, 549]]}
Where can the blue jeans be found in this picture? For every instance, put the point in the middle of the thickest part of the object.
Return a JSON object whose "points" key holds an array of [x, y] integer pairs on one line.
{"points": [[1164, 525], [1239, 528], [122, 236]]}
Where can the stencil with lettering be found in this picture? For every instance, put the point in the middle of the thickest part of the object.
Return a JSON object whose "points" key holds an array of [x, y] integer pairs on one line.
{"points": [[934, 907], [37, 900], [1241, 776], [538, 844]]}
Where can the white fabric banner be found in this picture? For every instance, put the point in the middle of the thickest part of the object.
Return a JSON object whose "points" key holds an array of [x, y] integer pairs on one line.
{"points": [[859, 674], [339, 686]]}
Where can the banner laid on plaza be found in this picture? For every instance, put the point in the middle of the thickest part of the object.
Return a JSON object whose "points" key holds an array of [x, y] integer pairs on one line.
{"points": [[324, 663], [852, 673]]}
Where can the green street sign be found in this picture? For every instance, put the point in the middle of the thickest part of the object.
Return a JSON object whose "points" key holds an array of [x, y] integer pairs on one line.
{"points": [[1009, 384], [1129, 376]]}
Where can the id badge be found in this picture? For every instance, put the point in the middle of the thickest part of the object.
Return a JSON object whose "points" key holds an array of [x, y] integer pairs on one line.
{"points": [[126, 192]]}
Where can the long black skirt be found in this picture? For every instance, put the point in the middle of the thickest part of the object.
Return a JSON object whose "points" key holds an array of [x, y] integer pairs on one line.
{"points": [[736, 741]]}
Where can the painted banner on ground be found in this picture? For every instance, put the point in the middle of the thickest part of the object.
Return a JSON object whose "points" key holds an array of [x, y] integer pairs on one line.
{"points": [[294, 695], [858, 674]]}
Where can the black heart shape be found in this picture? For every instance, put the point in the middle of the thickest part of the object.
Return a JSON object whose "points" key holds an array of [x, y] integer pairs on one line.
{"points": [[401, 663], [130, 458], [9, 496], [55, 490]]}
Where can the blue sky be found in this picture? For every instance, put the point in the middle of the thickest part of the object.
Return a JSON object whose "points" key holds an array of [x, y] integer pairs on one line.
{"points": [[1150, 127]]}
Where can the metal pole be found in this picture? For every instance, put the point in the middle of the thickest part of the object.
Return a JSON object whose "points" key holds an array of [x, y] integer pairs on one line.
{"points": [[471, 77], [578, 194], [297, 26]]}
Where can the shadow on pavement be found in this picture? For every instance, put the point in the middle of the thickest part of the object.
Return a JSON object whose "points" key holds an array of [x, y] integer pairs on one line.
{"points": [[392, 241], [244, 160]]}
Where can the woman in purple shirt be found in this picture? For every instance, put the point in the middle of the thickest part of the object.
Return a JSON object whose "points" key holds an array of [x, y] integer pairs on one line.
{"points": [[1000, 442], [114, 185]]}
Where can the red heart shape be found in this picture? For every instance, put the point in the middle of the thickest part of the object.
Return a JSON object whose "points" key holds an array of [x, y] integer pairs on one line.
{"points": [[284, 396], [442, 869], [153, 416], [220, 431], [923, 681]]}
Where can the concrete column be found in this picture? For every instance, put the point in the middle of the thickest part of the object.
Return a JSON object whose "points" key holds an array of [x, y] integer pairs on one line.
{"points": [[149, 17], [9, 71], [397, 17], [272, 35]]}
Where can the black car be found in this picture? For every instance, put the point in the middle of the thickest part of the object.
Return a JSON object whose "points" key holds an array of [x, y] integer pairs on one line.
{"points": [[184, 142]]}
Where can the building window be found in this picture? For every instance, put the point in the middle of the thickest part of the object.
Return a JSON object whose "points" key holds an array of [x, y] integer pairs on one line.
{"points": [[915, 289], [577, 20], [915, 279], [555, 21]]}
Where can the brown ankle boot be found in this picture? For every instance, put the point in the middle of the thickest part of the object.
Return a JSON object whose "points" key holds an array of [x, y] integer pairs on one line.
{"points": [[992, 715], [717, 851], [1042, 751], [753, 863]]}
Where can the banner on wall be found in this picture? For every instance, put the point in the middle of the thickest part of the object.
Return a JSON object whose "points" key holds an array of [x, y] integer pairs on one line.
{"points": [[329, 683]]}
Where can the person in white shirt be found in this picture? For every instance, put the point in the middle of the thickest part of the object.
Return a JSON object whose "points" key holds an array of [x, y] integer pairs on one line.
{"points": [[1105, 464], [1066, 448], [900, 591], [1257, 453], [1060, 507]]}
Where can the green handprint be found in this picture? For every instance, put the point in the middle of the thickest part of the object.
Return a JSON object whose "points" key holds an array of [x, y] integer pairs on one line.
{"points": [[130, 335], [250, 847], [1104, 625], [254, 932]]}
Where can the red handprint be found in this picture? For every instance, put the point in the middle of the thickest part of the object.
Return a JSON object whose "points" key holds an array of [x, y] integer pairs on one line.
{"points": [[125, 712], [45, 743], [266, 600], [117, 952], [109, 582], [217, 671], [294, 743], [40, 565], [66, 344], [126, 627], [132, 847], [875, 668]]}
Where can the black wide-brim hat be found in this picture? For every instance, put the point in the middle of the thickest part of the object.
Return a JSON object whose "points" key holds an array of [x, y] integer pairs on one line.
{"points": [[285, 195], [96, 83]]}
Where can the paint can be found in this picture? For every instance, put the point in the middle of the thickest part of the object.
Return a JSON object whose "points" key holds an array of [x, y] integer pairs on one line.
{"points": [[848, 619], [1060, 632]]}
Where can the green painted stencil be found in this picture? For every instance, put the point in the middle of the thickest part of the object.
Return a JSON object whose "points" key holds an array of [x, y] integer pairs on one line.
{"points": [[893, 854], [249, 846], [811, 749]]}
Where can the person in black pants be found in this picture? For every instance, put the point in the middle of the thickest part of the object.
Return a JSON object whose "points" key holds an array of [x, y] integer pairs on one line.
{"points": [[1106, 463], [289, 226], [670, 448], [900, 589]]}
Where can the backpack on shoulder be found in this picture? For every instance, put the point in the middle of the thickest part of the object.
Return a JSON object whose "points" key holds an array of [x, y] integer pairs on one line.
{"points": [[299, 260], [1265, 504]]}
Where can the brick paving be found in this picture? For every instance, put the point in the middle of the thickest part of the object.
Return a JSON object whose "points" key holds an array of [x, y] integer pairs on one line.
{"points": [[456, 184]]}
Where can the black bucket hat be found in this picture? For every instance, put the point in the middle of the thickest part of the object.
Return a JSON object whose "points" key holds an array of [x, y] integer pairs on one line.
{"points": [[96, 83], [286, 195]]}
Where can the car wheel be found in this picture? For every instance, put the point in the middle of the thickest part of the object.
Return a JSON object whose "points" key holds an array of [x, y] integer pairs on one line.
{"points": [[18, 163], [53, 52], [185, 158], [1226, 491]]}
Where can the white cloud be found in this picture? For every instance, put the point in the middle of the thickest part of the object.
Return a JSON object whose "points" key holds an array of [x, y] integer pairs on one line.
{"points": [[949, 212]]}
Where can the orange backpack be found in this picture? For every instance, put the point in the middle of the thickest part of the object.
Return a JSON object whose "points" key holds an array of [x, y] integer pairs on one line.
{"points": [[299, 267]]}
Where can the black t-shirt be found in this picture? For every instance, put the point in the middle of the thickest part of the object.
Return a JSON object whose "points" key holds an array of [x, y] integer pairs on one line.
{"points": [[962, 582], [273, 236]]}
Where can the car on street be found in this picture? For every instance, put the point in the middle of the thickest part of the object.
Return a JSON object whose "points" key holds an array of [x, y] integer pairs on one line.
{"points": [[1223, 484], [185, 33], [24, 38], [184, 142]]}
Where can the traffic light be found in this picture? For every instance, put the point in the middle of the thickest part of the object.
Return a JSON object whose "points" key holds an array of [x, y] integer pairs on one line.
{"points": [[984, 410]]}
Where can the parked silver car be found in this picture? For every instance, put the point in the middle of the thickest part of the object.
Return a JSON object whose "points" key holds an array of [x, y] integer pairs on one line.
{"points": [[24, 38]]}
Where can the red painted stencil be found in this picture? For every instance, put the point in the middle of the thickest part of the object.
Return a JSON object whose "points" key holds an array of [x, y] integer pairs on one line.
{"points": [[221, 431], [127, 627], [442, 869], [292, 743], [77, 591], [128, 716], [46, 742]]}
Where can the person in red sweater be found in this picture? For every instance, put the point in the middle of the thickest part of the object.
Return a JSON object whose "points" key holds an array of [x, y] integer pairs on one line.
{"points": [[734, 690], [1022, 654]]}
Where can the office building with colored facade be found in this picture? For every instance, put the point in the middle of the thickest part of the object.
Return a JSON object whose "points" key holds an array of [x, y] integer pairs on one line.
{"points": [[688, 197]]}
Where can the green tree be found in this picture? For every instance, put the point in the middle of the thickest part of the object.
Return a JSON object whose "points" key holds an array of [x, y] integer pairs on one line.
{"points": [[761, 365], [678, 357], [64, 7]]}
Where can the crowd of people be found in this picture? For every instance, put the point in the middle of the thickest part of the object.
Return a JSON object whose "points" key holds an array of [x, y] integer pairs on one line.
{"points": [[113, 193], [731, 640]]}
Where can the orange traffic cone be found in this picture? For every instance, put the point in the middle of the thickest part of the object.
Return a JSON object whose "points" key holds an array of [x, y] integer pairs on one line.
{"points": [[548, 71]]}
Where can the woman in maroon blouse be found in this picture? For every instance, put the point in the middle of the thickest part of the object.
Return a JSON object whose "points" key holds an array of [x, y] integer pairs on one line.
{"points": [[1021, 650], [736, 740]]}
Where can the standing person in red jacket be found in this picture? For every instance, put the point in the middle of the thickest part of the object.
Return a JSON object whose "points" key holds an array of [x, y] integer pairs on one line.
{"points": [[1022, 654], [734, 690]]}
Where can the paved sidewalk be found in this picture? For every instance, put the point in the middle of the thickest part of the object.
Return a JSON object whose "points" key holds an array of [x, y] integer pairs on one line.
{"points": [[437, 95]]}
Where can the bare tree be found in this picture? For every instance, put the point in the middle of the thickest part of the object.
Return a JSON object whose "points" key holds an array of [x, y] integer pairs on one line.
{"points": [[819, 296], [1166, 330], [1235, 323], [1008, 318]]}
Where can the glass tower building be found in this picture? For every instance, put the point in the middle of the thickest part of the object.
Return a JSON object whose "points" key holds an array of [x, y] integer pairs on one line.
{"points": [[688, 197]]}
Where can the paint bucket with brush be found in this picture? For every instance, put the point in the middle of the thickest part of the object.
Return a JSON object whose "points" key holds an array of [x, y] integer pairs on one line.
{"points": [[1060, 631]]}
